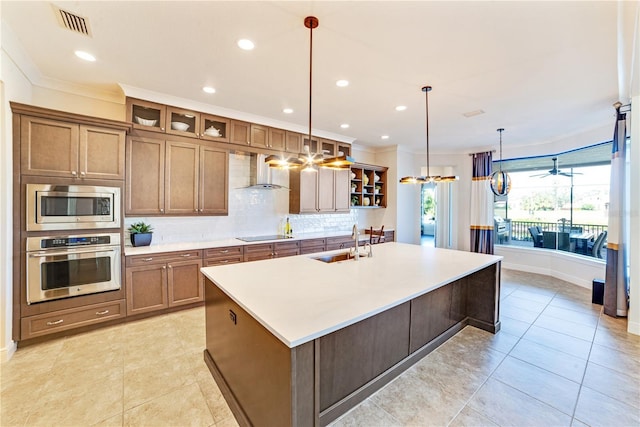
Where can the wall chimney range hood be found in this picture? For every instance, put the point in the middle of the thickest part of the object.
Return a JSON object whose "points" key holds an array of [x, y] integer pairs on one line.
{"points": [[262, 177]]}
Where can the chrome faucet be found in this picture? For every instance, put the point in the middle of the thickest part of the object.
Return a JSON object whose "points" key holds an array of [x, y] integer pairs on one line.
{"points": [[354, 234], [370, 251]]}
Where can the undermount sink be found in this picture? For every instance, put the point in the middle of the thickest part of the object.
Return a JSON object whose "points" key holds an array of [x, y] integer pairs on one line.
{"points": [[344, 256]]}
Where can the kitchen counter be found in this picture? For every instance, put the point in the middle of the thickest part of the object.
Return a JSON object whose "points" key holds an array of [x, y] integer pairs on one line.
{"points": [[300, 298], [296, 341], [219, 243]]}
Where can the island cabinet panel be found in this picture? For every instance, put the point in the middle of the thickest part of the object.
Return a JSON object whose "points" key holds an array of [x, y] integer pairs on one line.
{"points": [[435, 312], [483, 287], [352, 356], [276, 388]]}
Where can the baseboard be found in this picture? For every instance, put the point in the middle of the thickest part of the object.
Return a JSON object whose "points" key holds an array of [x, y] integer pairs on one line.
{"points": [[7, 352], [633, 328]]}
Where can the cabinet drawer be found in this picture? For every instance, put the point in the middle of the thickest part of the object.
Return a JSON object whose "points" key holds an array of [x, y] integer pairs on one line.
{"points": [[312, 243], [262, 247], [281, 253], [234, 259], [312, 249], [283, 246], [223, 252], [162, 257], [63, 320]]}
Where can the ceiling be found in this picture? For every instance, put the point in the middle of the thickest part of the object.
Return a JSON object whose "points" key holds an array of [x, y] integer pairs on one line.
{"points": [[541, 70]]}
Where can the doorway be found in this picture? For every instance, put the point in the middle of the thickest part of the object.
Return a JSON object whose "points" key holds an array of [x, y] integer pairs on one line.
{"points": [[428, 215]]}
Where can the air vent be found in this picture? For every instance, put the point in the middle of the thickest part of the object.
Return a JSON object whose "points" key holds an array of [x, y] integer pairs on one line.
{"points": [[73, 22]]}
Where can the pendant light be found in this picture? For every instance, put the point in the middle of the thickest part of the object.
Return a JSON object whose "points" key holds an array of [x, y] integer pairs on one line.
{"points": [[428, 177], [500, 181], [310, 161]]}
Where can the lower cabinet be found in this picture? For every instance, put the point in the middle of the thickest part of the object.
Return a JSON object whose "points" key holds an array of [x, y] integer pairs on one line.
{"points": [[159, 281], [223, 255], [62, 320], [271, 250], [311, 246], [339, 242]]}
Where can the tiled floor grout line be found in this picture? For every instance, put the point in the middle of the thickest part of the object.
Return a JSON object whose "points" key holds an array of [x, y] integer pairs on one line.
{"points": [[586, 366]]}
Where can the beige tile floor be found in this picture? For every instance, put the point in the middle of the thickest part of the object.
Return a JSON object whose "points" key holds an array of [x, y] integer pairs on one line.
{"points": [[557, 361]]}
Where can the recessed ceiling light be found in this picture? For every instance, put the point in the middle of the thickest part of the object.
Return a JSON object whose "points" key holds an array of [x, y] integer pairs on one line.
{"points": [[342, 83], [344, 125], [287, 110], [209, 89], [401, 107], [85, 55], [245, 44], [473, 113], [384, 137]]}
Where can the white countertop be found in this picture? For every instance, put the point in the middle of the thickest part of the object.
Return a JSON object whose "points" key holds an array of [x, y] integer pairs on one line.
{"points": [[299, 298], [219, 243]]}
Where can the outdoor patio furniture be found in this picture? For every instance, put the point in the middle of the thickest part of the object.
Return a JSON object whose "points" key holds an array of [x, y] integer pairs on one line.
{"points": [[536, 235], [595, 248]]}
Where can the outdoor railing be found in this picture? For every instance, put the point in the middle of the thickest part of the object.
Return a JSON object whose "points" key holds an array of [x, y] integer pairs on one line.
{"points": [[520, 229]]}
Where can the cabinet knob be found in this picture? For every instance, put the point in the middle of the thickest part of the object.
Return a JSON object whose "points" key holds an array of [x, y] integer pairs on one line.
{"points": [[164, 267], [201, 210], [248, 142], [82, 173], [162, 129], [161, 210], [197, 134], [74, 173]]}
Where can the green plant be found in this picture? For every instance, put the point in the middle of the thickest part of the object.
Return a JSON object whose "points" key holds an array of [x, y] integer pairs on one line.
{"points": [[140, 227]]}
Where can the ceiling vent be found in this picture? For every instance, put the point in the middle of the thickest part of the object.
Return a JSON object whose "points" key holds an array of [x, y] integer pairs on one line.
{"points": [[73, 22]]}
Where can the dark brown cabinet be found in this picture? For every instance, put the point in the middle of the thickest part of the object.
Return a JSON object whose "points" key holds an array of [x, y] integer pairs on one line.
{"points": [[158, 281], [63, 149], [310, 246]]}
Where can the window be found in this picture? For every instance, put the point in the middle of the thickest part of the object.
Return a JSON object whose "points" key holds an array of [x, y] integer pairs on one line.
{"points": [[557, 202]]}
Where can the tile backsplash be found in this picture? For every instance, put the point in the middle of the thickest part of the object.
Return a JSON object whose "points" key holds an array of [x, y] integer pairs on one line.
{"points": [[251, 212]]}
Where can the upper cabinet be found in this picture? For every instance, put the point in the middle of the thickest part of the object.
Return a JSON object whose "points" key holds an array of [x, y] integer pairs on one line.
{"points": [[175, 178], [182, 122], [214, 128], [324, 191], [51, 147], [368, 186], [240, 133], [146, 115]]}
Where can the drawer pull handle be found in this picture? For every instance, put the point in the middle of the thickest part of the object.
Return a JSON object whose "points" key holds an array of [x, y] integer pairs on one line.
{"points": [[225, 251], [224, 261], [57, 322], [185, 255], [102, 313], [147, 259]]}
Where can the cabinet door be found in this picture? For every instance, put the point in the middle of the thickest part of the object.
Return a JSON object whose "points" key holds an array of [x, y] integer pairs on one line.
{"points": [[146, 115], [184, 282], [240, 133], [259, 136], [145, 176], [214, 181], [258, 252], [309, 192], [48, 147], [182, 163], [326, 190], [101, 153], [182, 122], [214, 128], [342, 190], [294, 142], [277, 139], [146, 288]]}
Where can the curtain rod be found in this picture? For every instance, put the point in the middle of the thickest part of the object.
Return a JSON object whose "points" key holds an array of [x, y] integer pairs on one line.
{"points": [[473, 154]]}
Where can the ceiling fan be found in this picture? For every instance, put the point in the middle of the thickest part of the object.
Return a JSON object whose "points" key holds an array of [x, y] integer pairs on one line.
{"points": [[555, 171]]}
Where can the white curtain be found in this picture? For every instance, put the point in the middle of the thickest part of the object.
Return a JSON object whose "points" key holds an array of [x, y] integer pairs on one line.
{"points": [[481, 206]]}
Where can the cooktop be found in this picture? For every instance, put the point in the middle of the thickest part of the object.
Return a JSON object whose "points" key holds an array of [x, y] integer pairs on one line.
{"points": [[261, 238]]}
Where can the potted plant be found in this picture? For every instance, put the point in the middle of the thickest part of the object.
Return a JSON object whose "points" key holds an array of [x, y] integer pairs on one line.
{"points": [[140, 233]]}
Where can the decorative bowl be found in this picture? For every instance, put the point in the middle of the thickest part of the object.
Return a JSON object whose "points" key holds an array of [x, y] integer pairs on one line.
{"points": [[179, 126], [145, 122]]}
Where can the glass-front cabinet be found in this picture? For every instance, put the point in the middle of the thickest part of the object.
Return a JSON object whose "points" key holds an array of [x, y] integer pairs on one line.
{"points": [[146, 115], [214, 128], [182, 122]]}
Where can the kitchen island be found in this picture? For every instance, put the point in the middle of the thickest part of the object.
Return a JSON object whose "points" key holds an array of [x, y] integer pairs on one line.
{"points": [[298, 341]]}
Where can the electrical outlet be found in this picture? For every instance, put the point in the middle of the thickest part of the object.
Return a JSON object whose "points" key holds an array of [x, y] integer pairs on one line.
{"points": [[233, 317]]}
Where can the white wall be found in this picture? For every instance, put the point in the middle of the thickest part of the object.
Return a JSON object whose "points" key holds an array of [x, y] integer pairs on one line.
{"points": [[14, 86], [634, 250]]}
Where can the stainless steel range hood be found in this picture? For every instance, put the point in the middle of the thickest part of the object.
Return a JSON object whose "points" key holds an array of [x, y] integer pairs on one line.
{"points": [[262, 177]]}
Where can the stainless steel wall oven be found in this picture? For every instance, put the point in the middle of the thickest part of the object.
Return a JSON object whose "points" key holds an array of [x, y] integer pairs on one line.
{"points": [[67, 266], [71, 207]]}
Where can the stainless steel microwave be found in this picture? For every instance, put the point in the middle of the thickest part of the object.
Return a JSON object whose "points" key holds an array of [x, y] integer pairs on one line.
{"points": [[71, 207]]}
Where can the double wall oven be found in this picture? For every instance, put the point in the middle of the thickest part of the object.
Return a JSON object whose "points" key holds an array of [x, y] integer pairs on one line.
{"points": [[79, 252]]}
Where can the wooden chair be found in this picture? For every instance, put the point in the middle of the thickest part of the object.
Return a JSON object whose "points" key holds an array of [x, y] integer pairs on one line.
{"points": [[376, 236]]}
